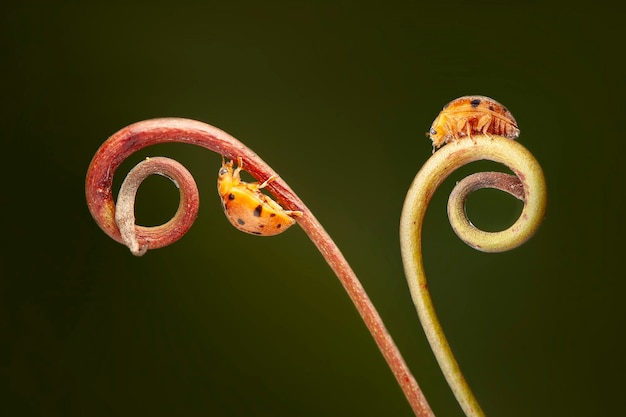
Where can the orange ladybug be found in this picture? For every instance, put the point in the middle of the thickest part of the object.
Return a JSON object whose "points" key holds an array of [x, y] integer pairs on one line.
{"points": [[469, 115], [247, 208]]}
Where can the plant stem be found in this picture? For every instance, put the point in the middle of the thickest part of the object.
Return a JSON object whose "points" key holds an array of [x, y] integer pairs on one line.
{"points": [[142, 134], [368, 312], [433, 173]]}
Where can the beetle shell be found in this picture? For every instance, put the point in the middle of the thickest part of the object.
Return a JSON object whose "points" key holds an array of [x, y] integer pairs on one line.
{"points": [[247, 208], [469, 115]]}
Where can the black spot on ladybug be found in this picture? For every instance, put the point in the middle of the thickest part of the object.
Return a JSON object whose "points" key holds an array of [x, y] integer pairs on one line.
{"points": [[475, 102], [278, 226], [272, 214], [241, 222], [257, 233], [231, 196], [504, 110], [261, 226], [491, 107], [257, 210]]}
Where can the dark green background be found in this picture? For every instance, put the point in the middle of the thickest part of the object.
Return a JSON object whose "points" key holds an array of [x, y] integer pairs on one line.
{"points": [[336, 96]]}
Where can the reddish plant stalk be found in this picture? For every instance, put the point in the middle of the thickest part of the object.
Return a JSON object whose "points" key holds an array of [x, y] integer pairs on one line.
{"points": [[146, 133]]}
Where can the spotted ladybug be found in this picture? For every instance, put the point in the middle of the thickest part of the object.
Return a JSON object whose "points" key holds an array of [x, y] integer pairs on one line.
{"points": [[247, 208], [469, 115]]}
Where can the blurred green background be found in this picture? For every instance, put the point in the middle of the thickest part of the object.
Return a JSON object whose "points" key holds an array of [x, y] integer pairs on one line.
{"points": [[336, 96]]}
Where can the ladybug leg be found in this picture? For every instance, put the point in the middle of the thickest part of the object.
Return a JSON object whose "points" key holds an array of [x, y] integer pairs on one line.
{"points": [[273, 204], [449, 134], [258, 187], [463, 125], [468, 126], [240, 162], [484, 123], [238, 169], [267, 181]]}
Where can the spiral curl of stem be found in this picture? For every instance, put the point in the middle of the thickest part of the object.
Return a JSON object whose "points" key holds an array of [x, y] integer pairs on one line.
{"points": [[528, 184], [125, 206], [140, 239]]}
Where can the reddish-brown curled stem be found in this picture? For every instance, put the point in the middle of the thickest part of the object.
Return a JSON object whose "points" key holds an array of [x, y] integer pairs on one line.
{"points": [[150, 132], [140, 135], [125, 206]]}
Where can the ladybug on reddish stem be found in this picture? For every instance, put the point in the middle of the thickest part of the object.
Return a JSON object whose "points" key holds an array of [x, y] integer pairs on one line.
{"points": [[247, 208]]}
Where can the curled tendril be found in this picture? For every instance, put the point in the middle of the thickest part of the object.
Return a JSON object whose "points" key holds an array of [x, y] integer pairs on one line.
{"points": [[528, 185], [125, 206], [140, 239]]}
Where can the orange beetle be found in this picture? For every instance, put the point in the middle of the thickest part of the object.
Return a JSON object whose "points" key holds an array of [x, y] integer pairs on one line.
{"points": [[247, 208], [472, 114]]}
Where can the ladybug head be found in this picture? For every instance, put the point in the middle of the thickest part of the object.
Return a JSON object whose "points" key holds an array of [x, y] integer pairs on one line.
{"points": [[435, 134], [225, 177]]}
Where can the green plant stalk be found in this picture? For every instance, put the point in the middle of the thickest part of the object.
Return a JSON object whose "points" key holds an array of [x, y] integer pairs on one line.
{"points": [[432, 174]]}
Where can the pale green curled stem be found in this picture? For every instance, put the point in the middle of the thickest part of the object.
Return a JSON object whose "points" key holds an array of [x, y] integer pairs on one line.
{"points": [[528, 175]]}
